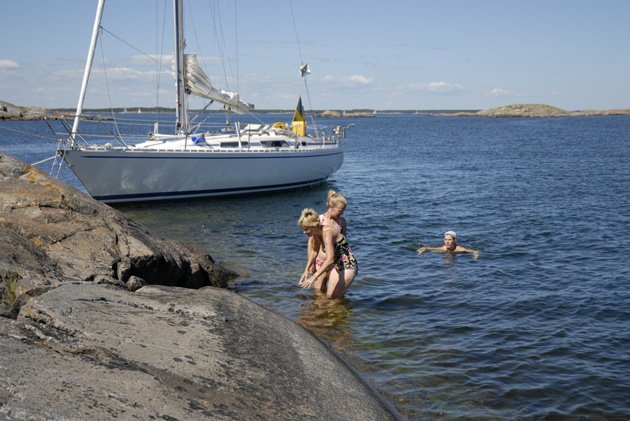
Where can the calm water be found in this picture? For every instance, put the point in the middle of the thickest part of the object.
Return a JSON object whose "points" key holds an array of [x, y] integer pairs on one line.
{"points": [[537, 327]]}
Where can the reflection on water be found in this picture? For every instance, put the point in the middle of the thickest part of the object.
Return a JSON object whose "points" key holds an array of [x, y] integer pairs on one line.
{"points": [[327, 318]]}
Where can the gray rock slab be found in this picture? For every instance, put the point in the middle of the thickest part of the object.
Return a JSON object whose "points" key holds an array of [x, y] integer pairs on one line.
{"points": [[88, 351]]}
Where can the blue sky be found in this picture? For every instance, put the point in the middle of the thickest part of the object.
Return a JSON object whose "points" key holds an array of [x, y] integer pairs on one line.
{"points": [[399, 54]]}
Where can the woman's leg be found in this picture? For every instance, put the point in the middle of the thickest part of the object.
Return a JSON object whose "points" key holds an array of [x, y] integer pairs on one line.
{"points": [[339, 282]]}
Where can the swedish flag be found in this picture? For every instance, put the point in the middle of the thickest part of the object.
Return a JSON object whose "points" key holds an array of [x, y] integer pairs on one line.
{"points": [[298, 125], [298, 115]]}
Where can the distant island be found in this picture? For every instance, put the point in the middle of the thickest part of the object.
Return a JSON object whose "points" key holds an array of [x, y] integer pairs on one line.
{"points": [[537, 110], [332, 113], [10, 111]]}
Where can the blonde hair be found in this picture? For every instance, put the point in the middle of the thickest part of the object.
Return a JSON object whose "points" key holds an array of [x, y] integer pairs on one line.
{"points": [[335, 200], [309, 218]]}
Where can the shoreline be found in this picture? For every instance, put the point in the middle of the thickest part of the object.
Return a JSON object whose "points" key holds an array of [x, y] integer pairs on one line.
{"points": [[538, 110], [24, 113], [99, 316]]}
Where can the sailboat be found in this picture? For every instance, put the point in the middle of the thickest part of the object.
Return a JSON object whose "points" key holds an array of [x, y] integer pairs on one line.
{"points": [[239, 159]]}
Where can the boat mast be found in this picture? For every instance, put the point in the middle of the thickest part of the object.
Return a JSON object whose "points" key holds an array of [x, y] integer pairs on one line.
{"points": [[181, 123], [88, 68]]}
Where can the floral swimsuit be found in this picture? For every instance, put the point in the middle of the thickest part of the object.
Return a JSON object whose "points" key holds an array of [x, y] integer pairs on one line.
{"points": [[344, 257]]}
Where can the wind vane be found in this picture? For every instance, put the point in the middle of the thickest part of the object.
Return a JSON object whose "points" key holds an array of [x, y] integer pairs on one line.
{"points": [[304, 70]]}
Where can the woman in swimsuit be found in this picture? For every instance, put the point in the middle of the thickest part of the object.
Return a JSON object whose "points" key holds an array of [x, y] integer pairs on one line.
{"points": [[450, 246], [316, 256], [340, 265]]}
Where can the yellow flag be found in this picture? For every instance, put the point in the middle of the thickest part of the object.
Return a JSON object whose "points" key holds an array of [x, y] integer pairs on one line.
{"points": [[298, 125], [298, 115]]}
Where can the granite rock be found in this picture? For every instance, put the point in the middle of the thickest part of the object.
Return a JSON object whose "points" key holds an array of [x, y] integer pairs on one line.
{"points": [[98, 325], [55, 233]]}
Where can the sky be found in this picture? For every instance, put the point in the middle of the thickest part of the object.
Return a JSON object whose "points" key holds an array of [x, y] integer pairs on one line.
{"points": [[382, 55]]}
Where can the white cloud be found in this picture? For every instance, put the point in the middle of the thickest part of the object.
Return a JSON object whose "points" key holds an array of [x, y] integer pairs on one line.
{"points": [[443, 87], [354, 80], [8, 65], [360, 79], [129, 73], [168, 60], [438, 87], [505, 92], [499, 92], [152, 59]]}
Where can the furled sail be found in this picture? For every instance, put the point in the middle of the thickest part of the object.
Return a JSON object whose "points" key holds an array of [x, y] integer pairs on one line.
{"points": [[198, 83]]}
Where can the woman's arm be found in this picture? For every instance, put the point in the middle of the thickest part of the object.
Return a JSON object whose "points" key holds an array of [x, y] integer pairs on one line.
{"points": [[462, 249], [311, 255], [438, 249], [313, 250], [329, 236]]}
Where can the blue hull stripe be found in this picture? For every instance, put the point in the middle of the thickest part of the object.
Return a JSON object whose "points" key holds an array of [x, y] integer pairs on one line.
{"points": [[200, 155]]}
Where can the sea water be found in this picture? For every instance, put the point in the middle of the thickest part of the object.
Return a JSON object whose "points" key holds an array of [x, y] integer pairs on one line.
{"points": [[537, 327]]}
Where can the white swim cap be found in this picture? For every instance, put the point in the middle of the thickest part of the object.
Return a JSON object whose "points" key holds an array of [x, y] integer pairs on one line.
{"points": [[451, 233]]}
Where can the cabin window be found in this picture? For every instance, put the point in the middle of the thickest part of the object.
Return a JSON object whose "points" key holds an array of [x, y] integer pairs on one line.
{"points": [[275, 143], [245, 144]]}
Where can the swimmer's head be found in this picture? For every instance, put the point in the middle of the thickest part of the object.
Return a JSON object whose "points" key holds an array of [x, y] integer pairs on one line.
{"points": [[450, 240]]}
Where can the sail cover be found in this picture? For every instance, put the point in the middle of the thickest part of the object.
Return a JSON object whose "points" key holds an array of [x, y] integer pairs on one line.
{"points": [[198, 83]]}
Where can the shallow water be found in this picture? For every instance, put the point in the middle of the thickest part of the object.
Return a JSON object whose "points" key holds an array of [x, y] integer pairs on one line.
{"points": [[537, 327]]}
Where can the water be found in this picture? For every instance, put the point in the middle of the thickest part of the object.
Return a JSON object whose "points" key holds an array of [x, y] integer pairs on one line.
{"points": [[537, 327]]}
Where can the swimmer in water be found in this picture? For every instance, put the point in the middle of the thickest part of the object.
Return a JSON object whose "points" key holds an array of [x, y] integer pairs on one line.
{"points": [[450, 246]]}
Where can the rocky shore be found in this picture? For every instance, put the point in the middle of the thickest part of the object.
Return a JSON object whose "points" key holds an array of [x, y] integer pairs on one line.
{"points": [[9, 111], [13, 112], [537, 110], [100, 318]]}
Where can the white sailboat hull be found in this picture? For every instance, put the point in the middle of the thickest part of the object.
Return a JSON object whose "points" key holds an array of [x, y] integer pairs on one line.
{"points": [[142, 175], [198, 161]]}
